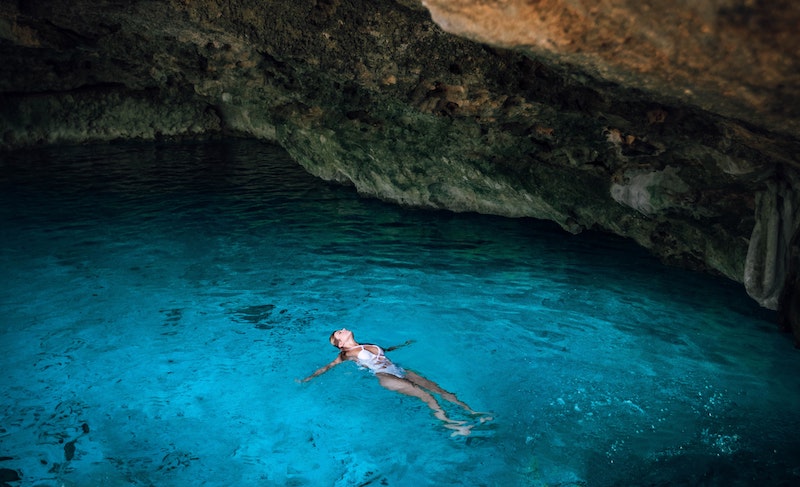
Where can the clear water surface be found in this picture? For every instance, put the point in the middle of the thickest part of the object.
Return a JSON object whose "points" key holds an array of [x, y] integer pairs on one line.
{"points": [[158, 303]]}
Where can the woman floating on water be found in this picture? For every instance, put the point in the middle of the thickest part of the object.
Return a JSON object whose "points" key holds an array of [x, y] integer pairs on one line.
{"points": [[395, 378]]}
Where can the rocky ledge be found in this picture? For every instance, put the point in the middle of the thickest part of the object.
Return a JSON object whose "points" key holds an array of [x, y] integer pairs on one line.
{"points": [[673, 123]]}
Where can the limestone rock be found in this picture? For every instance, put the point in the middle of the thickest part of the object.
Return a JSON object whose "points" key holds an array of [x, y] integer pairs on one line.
{"points": [[770, 255], [733, 57], [672, 123]]}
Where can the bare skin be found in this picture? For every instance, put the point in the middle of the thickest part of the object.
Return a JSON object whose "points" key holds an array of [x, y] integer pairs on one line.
{"points": [[411, 384]]}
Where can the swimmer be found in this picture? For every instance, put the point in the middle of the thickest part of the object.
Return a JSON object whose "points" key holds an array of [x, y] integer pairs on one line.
{"points": [[395, 378]]}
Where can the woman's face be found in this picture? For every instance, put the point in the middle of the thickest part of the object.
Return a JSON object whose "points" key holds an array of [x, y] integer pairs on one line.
{"points": [[341, 336]]}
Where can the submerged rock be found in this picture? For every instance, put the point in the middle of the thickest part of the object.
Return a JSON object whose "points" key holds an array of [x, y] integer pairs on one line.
{"points": [[675, 125]]}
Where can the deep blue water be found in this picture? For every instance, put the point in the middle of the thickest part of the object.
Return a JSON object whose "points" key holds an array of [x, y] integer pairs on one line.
{"points": [[158, 303]]}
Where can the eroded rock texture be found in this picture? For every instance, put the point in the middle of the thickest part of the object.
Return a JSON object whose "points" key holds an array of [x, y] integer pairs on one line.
{"points": [[674, 123]]}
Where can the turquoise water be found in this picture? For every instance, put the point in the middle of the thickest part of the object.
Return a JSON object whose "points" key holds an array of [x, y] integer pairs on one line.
{"points": [[159, 302]]}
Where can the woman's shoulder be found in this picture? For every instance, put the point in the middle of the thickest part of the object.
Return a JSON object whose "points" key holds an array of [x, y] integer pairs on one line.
{"points": [[350, 353]]}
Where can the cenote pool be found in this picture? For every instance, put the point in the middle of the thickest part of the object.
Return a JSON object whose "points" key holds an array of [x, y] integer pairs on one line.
{"points": [[158, 303]]}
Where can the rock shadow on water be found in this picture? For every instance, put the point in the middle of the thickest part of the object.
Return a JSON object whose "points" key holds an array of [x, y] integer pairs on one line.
{"points": [[269, 317], [172, 320], [8, 475], [260, 316]]}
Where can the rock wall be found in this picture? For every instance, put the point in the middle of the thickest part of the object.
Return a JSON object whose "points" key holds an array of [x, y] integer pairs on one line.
{"points": [[674, 124]]}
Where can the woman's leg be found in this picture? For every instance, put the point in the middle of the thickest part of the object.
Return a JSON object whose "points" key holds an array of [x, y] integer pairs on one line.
{"points": [[434, 387], [408, 388]]}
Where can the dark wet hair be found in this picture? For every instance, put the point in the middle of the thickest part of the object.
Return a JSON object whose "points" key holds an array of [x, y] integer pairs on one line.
{"points": [[333, 340]]}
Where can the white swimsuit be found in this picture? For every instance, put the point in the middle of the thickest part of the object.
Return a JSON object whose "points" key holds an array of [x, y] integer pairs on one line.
{"points": [[378, 363]]}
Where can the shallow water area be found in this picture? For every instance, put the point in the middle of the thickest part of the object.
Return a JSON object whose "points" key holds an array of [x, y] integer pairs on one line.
{"points": [[158, 303]]}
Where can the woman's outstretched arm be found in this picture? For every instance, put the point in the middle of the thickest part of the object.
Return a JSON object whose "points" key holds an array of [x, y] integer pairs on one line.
{"points": [[407, 342], [324, 369]]}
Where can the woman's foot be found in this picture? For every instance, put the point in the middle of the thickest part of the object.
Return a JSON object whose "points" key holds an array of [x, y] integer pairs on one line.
{"points": [[484, 417], [460, 429]]}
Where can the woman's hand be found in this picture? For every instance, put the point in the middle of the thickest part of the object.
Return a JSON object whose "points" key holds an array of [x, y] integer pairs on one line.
{"points": [[407, 342], [322, 370]]}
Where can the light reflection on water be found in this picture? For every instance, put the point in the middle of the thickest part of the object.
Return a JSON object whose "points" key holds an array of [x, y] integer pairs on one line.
{"points": [[159, 301]]}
